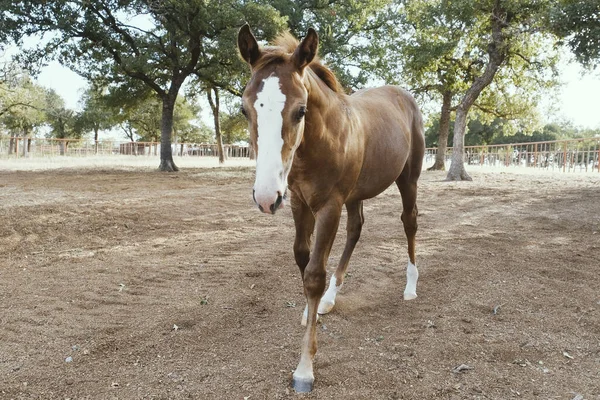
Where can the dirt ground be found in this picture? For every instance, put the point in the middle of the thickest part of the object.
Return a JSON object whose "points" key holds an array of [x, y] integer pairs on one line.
{"points": [[133, 284]]}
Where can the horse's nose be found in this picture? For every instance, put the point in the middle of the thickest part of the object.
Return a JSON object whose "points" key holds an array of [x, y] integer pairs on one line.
{"points": [[268, 203], [275, 206]]}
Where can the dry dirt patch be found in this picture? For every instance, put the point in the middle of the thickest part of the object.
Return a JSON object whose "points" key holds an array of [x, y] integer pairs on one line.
{"points": [[99, 266]]}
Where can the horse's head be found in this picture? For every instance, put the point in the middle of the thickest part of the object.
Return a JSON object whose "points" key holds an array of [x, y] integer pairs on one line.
{"points": [[274, 102]]}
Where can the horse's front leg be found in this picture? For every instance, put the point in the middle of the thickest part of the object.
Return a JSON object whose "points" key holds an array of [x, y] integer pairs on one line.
{"points": [[304, 220], [327, 220]]}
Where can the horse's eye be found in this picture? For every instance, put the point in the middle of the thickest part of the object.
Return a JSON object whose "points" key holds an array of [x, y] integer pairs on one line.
{"points": [[301, 112]]}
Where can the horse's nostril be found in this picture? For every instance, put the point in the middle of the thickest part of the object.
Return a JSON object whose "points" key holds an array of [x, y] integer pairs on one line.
{"points": [[277, 203], [254, 195]]}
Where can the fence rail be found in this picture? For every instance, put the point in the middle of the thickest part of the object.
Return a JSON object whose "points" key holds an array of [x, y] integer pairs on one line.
{"points": [[42, 147], [573, 155], [561, 155]]}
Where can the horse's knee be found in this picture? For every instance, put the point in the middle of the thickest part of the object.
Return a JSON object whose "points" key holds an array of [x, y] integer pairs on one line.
{"points": [[301, 253], [314, 282]]}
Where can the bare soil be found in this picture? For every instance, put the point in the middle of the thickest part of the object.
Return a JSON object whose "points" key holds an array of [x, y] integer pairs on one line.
{"points": [[133, 284]]}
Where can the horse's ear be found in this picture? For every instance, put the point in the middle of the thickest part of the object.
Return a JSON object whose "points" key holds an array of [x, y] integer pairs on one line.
{"points": [[248, 45], [307, 50]]}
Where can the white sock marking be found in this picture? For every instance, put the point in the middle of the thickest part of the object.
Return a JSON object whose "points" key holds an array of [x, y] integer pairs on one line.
{"points": [[304, 316], [328, 299], [412, 276]]}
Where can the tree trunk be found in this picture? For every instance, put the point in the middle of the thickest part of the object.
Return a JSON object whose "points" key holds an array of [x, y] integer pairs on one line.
{"points": [[166, 127], [214, 105], [11, 145], [457, 170], [25, 135], [440, 156], [95, 140], [497, 51]]}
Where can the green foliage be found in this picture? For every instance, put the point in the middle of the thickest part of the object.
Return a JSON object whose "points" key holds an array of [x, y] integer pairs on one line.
{"points": [[222, 66], [443, 48], [502, 131], [351, 33], [96, 114], [22, 104], [234, 128], [62, 121], [142, 118], [137, 45], [576, 22]]}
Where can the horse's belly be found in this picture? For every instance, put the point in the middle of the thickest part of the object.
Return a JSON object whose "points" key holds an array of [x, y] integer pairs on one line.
{"points": [[378, 173]]}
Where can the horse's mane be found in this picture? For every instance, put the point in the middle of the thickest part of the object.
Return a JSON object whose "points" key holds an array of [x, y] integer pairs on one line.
{"points": [[281, 50]]}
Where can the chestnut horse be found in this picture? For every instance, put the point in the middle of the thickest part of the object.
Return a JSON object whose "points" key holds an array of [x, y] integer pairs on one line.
{"points": [[330, 150]]}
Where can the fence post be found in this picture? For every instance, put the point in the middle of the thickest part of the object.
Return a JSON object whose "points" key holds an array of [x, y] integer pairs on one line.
{"points": [[565, 157]]}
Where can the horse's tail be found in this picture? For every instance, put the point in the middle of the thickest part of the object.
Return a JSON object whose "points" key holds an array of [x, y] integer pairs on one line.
{"points": [[417, 151]]}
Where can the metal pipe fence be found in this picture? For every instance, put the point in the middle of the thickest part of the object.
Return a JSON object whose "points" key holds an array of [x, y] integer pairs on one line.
{"points": [[573, 155], [16, 147], [560, 155]]}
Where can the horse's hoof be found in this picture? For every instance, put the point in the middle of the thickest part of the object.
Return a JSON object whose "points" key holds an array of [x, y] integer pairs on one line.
{"points": [[410, 296], [325, 307], [302, 386]]}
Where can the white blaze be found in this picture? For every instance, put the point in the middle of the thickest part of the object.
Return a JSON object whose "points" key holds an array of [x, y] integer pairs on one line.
{"points": [[269, 105]]}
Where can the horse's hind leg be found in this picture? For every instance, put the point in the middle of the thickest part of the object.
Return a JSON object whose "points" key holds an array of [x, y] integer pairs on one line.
{"points": [[407, 183], [353, 229]]}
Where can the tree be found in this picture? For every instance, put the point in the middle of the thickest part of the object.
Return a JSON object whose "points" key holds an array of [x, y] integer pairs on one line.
{"points": [[185, 127], [62, 120], [134, 44], [432, 60], [22, 105], [505, 27], [443, 47], [140, 117], [215, 106], [234, 126], [96, 114]]}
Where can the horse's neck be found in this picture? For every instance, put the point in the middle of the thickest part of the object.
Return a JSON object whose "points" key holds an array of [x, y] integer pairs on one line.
{"points": [[321, 99]]}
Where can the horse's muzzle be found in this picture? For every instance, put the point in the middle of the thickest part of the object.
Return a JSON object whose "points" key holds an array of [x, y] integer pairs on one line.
{"points": [[273, 207]]}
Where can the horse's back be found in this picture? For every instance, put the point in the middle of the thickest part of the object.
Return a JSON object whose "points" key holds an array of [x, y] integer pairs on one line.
{"points": [[389, 126]]}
